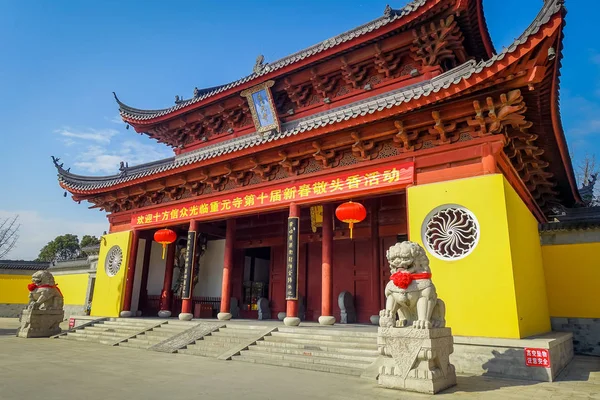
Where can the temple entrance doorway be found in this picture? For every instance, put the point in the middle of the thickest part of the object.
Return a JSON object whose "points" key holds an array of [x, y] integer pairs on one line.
{"points": [[255, 284]]}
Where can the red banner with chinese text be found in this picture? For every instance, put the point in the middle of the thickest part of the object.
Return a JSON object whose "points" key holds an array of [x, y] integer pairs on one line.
{"points": [[310, 190]]}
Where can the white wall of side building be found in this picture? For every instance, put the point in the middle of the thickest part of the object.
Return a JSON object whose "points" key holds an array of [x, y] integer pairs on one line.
{"points": [[211, 270], [156, 270]]}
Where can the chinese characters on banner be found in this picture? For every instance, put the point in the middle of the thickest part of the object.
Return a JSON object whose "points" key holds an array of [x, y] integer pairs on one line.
{"points": [[537, 358], [291, 273], [353, 182], [188, 269]]}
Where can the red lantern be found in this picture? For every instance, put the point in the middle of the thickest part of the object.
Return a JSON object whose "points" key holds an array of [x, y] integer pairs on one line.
{"points": [[164, 237], [351, 213]]}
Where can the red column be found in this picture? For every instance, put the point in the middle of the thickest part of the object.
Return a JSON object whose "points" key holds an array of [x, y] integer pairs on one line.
{"points": [[291, 308], [130, 274], [225, 313], [327, 317], [186, 303], [166, 295]]}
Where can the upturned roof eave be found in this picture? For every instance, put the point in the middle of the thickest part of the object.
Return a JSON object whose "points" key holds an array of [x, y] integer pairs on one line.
{"points": [[442, 83]]}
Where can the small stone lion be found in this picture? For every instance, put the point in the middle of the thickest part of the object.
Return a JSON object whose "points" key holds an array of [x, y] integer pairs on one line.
{"points": [[410, 293], [43, 292]]}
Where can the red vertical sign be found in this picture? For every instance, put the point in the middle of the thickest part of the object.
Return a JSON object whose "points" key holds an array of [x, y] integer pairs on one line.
{"points": [[537, 358]]}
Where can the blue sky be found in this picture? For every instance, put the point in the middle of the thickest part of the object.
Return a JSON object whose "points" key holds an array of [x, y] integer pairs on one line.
{"points": [[60, 61]]}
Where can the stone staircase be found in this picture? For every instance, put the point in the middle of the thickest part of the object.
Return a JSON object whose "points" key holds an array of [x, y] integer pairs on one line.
{"points": [[326, 350], [158, 334], [110, 331], [223, 340]]}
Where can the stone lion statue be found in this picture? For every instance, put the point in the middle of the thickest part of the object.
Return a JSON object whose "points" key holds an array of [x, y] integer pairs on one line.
{"points": [[43, 292], [410, 293]]}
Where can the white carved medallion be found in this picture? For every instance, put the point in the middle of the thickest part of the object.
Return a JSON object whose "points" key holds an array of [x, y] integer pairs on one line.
{"points": [[114, 259], [450, 232]]}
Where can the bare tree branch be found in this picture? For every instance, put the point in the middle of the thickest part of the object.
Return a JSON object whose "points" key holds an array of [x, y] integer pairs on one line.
{"points": [[9, 234]]}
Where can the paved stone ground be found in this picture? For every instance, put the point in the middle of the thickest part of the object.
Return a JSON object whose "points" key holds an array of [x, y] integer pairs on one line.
{"points": [[55, 369]]}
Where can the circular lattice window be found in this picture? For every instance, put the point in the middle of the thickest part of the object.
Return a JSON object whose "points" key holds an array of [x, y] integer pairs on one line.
{"points": [[114, 259], [450, 232]]}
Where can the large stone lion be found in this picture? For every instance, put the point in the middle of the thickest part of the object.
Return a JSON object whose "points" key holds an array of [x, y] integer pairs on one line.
{"points": [[410, 293], [43, 292]]}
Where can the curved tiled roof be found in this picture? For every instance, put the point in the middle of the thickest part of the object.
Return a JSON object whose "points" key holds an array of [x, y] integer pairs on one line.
{"points": [[343, 113], [24, 265], [390, 16]]}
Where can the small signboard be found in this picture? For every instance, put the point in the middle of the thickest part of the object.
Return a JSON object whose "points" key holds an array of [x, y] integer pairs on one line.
{"points": [[188, 269], [537, 358], [71, 323], [291, 291]]}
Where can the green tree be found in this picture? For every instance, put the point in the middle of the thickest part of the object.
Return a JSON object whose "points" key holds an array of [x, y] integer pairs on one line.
{"points": [[62, 248], [88, 240]]}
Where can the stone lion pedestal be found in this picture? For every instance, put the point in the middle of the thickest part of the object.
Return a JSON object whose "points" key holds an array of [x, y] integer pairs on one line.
{"points": [[40, 323], [416, 359], [412, 337], [43, 315]]}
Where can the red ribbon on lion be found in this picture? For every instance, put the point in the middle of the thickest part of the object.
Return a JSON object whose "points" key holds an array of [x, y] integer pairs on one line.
{"points": [[403, 279], [32, 286]]}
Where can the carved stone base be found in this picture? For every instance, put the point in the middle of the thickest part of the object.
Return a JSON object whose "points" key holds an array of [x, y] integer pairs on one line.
{"points": [[40, 323], [164, 314], [416, 360]]}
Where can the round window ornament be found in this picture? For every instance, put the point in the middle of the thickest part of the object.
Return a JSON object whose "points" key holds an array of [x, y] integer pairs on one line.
{"points": [[450, 232], [114, 259]]}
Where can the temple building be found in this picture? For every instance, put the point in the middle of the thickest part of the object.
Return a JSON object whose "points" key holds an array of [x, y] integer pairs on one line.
{"points": [[414, 116]]}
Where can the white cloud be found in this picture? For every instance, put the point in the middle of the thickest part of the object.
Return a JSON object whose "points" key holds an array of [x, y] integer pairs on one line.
{"points": [[37, 230], [116, 119], [94, 135], [97, 159]]}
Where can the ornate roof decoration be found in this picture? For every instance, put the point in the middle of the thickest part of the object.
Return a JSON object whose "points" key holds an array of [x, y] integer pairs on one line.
{"points": [[261, 68], [342, 113]]}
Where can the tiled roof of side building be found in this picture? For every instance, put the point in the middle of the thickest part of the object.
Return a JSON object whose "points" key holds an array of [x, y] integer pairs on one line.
{"points": [[342, 113], [23, 265], [389, 17], [574, 219]]}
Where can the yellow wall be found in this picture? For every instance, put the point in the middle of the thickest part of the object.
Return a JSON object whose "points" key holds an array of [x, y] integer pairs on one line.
{"points": [[13, 289], [480, 291], [73, 287], [572, 278], [108, 291], [528, 268]]}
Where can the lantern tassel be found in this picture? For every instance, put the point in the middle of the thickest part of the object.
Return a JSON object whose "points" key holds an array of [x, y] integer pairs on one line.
{"points": [[351, 227], [164, 248]]}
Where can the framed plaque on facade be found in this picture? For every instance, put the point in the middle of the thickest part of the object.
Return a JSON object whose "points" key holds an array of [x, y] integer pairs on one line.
{"points": [[262, 107]]}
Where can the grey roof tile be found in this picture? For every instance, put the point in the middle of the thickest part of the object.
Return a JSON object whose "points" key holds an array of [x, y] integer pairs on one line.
{"points": [[353, 110]]}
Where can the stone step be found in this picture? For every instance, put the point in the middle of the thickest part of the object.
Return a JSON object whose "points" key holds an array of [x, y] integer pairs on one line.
{"points": [[309, 358], [133, 345], [319, 344], [87, 339], [224, 339], [112, 338], [200, 352], [300, 365], [200, 344], [331, 338], [317, 354], [109, 330], [131, 327], [161, 333], [245, 327], [370, 352], [328, 331], [234, 333]]}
